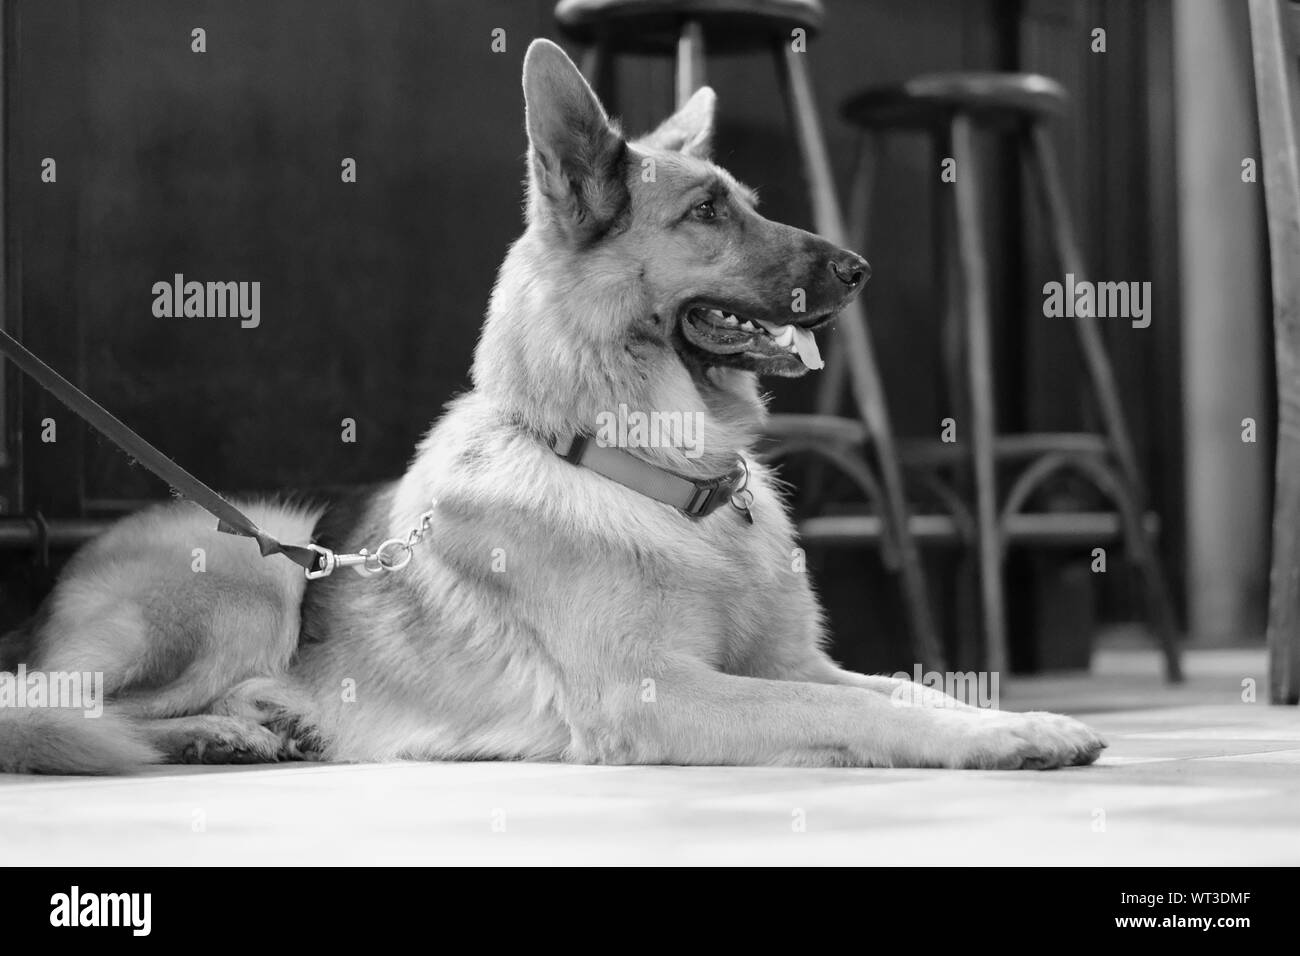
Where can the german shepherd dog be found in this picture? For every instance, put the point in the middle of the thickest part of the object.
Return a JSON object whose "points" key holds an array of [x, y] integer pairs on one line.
{"points": [[550, 612]]}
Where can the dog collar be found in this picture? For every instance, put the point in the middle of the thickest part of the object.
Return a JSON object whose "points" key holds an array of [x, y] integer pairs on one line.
{"points": [[693, 497]]}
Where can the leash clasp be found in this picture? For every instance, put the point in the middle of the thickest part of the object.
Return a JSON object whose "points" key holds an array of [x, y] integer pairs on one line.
{"points": [[328, 562], [393, 555], [331, 561]]}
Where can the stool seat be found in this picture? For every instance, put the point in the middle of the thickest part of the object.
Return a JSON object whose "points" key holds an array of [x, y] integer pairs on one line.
{"points": [[930, 100], [653, 26]]}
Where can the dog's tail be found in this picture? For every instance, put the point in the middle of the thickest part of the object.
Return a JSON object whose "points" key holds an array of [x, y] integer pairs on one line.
{"points": [[67, 741]]}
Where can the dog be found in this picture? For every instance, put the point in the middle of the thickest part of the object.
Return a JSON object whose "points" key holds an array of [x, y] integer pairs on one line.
{"points": [[540, 609]]}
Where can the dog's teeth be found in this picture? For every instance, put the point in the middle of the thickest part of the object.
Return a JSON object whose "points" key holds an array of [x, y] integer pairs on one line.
{"points": [[731, 320], [748, 327], [800, 340]]}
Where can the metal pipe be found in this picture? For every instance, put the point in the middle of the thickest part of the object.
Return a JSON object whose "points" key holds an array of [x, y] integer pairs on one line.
{"points": [[18, 533]]}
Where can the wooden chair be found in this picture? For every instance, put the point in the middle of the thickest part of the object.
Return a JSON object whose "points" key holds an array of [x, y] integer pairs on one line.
{"points": [[1275, 34], [687, 29], [950, 108]]}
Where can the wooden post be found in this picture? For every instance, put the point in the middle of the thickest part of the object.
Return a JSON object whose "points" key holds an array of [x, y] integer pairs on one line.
{"points": [[1277, 84]]}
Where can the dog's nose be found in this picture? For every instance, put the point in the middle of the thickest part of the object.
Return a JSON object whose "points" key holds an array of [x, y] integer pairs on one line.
{"points": [[851, 269]]}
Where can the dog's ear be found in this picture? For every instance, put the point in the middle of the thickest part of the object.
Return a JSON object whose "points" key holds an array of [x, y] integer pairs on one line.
{"points": [[690, 129], [576, 157]]}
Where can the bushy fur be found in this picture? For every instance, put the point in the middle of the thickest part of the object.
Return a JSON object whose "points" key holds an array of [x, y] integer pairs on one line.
{"points": [[52, 740]]}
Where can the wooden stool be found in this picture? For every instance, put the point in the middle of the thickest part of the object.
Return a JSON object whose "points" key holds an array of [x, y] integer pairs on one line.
{"points": [[949, 108], [686, 29]]}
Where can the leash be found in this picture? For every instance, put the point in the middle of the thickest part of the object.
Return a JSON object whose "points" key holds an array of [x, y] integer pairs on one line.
{"points": [[318, 562]]}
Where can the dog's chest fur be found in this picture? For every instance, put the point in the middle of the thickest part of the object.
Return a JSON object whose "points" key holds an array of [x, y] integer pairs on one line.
{"points": [[535, 571]]}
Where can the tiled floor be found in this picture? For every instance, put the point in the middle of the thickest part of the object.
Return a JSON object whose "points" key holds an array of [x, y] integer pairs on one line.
{"points": [[1194, 775]]}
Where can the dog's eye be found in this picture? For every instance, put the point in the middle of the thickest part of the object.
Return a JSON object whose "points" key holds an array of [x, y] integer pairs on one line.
{"points": [[705, 211]]}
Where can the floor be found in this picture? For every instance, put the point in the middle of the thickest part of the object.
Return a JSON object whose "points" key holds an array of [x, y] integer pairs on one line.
{"points": [[1194, 775]]}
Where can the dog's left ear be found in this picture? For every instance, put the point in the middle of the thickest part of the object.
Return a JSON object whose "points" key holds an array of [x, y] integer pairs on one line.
{"points": [[576, 157], [690, 129]]}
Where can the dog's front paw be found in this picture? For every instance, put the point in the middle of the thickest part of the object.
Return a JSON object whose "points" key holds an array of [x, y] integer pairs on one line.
{"points": [[999, 740], [217, 739], [298, 739]]}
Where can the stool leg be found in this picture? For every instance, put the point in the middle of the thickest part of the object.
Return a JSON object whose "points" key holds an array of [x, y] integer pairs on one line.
{"points": [[864, 183], [1070, 258], [856, 343], [964, 592], [952, 334], [974, 300], [830, 387], [690, 61]]}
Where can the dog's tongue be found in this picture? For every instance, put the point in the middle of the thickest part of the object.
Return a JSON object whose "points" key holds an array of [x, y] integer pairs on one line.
{"points": [[804, 343]]}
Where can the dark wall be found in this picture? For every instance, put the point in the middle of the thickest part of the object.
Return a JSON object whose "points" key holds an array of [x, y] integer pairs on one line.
{"points": [[226, 165]]}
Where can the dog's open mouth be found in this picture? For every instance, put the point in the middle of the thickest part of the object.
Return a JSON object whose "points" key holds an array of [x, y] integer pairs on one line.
{"points": [[724, 333]]}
